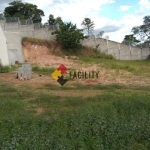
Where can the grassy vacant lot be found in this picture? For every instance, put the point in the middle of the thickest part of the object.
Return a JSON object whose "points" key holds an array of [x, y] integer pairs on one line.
{"points": [[77, 116]]}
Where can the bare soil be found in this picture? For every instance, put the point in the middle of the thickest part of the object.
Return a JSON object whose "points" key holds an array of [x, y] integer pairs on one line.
{"points": [[42, 56]]}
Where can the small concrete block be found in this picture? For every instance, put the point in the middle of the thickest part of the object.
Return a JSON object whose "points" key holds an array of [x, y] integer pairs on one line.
{"points": [[25, 71]]}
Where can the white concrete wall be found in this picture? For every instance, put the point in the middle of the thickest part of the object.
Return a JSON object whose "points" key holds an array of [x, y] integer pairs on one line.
{"points": [[14, 45], [3, 49], [118, 50]]}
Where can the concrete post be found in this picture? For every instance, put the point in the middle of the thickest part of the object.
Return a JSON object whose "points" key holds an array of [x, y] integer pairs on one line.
{"points": [[141, 53], [130, 50], [107, 45], [119, 50]]}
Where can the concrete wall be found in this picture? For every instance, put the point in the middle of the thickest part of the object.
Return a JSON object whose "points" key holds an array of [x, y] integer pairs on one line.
{"points": [[118, 50], [14, 47], [14, 32], [3, 49], [27, 30]]}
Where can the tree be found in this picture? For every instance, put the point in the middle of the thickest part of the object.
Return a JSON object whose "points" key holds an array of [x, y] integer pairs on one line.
{"points": [[54, 23], [23, 11], [51, 20], [143, 30], [58, 20], [130, 39], [100, 34], [1, 16], [69, 36], [88, 25]]}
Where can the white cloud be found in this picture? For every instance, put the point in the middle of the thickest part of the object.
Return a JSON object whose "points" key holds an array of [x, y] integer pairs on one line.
{"points": [[125, 8], [144, 3], [73, 10], [116, 30], [144, 8]]}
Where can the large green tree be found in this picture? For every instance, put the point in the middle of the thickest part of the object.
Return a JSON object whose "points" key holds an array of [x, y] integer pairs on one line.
{"points": [[143, 30], [53, 21], [130, 39], [23, 11], [100, 34], [88, 25], [1, 16], [58, 20], [69, 36]]}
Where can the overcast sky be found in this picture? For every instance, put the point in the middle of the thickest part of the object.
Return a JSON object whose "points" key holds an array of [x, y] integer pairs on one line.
{"points": [[115, 17]]}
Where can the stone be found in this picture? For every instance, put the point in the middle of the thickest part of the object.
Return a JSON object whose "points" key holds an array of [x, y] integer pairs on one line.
{"points": [[25, 72]]}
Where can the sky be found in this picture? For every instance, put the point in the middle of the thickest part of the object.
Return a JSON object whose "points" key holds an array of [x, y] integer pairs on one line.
{"points": [[115, 17]]}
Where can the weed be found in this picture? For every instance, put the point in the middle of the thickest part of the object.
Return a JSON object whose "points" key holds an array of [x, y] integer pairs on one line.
{"points": [[4, 69], [42, 69]]}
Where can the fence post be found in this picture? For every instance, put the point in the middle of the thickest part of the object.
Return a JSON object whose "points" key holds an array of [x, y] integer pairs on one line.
{"points": [[107, 45], [130, 50], [149, 48], [119, 50], [4, 26], [141, 53]]}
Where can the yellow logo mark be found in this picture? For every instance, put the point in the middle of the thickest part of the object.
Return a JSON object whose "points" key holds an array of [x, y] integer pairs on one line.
{"points": [[56, 74]]}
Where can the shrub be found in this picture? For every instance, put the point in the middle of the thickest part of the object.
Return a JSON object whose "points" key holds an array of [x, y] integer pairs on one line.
{"points": [[69, 36], [4, 69], [104, 55]]}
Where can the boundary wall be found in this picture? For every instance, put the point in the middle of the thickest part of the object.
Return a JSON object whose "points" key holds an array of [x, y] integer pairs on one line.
{"points": [[14, 32], [118, 50]]}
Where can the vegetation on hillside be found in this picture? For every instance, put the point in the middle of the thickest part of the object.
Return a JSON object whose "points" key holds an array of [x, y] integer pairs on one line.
{"points": [[83, 51]]}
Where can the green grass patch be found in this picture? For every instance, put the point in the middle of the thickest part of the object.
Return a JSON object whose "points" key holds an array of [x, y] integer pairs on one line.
{"points": [[134, 66], [43, 69], [117, 118], [4, 69], [37, 41]]}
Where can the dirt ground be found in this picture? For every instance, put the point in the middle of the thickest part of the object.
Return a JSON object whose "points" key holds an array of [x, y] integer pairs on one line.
{"points": [[104, 78], [42, 56]]}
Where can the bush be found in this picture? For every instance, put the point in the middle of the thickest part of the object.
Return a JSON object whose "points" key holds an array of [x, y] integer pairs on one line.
{"points": [[69, 36], [4, 69], [104, 55]]}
